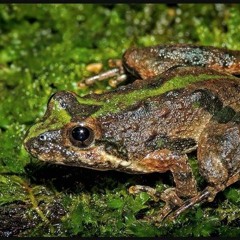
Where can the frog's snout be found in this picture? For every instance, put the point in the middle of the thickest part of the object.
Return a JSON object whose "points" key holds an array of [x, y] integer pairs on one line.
{"points": [[30, 143], [29, 146]]}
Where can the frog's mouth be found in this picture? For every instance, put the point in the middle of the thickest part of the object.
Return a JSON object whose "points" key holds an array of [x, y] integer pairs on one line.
{"points": [[56, 152]]}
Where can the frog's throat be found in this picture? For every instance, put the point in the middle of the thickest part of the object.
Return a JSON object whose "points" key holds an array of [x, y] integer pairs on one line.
{"points": [[102, 161]]}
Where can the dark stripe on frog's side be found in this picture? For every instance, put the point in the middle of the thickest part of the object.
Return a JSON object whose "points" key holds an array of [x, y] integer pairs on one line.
{"points": [[207, 100], [117, 150], [181, 145], [226, 114], [211, 103]]}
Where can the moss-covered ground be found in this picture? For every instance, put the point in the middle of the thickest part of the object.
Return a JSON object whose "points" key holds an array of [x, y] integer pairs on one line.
{"points": [[47, 47]]}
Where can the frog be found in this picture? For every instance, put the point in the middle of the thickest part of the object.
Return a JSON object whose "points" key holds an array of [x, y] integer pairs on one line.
{"points": [[183, 98]]}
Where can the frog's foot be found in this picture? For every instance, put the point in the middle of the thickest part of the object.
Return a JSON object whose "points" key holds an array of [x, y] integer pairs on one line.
{"points": [[171, 199], [117, 74], [202, 197], [208, 194], [169, 196]]}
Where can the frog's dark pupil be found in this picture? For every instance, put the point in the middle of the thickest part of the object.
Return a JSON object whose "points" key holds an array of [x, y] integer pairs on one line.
{"points": [[80, 133]]}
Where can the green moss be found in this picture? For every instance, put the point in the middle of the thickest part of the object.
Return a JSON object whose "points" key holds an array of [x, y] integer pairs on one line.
{"points": [[11, 189], [45, 48]]}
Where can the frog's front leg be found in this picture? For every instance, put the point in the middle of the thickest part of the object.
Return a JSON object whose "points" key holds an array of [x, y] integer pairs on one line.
{"points": [[162, 161]]}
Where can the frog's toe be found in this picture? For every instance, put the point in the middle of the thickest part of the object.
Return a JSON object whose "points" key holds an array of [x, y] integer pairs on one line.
{"points": [[150, 191]]}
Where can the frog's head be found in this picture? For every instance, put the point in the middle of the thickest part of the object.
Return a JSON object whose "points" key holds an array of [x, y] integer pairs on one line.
{"points": [[68, 134]]}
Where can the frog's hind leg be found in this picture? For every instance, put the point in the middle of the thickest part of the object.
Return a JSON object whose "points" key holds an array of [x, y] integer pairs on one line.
{"points": [[219, 162], [206, 195], [218, 155]]}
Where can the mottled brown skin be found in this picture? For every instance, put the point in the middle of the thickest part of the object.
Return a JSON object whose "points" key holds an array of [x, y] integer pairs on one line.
{"points": [[156, 133], [149, 62]]}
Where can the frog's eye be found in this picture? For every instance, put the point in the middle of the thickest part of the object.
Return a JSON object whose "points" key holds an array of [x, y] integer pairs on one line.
{"points": [[81, 136]]}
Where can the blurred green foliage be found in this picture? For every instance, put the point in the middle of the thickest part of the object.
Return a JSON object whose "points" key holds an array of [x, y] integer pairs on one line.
{"points": [[45, 48]]}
